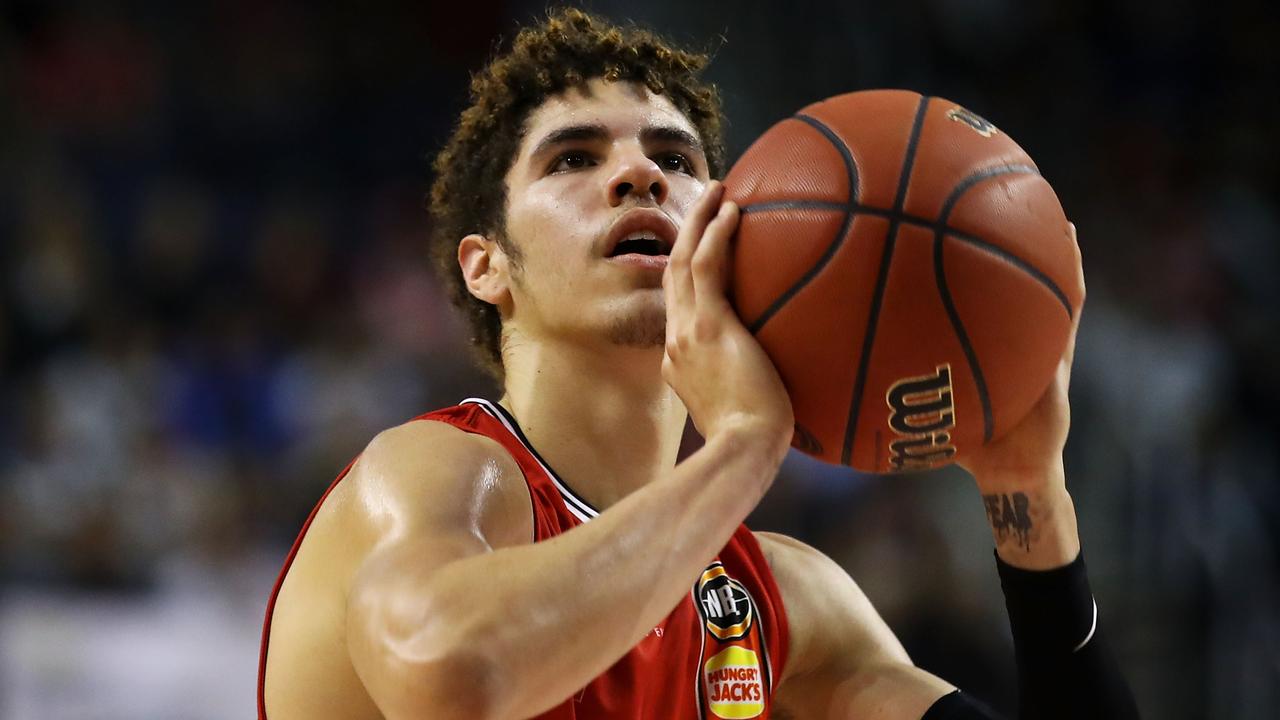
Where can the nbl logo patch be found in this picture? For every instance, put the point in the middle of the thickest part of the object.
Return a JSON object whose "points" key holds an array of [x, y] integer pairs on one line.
{"points": [[724, 604]]}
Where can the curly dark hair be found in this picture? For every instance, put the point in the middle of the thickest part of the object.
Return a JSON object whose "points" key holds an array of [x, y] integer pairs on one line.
{"points": [[568, 49]]}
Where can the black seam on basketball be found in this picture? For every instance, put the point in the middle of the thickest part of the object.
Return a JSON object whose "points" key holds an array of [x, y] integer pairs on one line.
{"points": [[1017, 262], [988, 423], [793, 205], [940, 233], [854, 208], [940, 278], [963, 187], [966, 184], [851, 172], [904, 180]]}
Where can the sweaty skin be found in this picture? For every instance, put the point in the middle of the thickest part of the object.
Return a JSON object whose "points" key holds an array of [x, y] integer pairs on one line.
{"points": [[394, 605]]}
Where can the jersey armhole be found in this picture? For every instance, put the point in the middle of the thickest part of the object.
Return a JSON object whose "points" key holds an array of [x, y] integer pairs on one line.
{"points": [[773, 594], [275, 590], [437, 416]]}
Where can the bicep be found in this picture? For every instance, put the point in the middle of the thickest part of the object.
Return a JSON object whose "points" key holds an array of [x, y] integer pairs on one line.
{"points": [[395, 635], [434, 508], [389, 602], [845, 661]]}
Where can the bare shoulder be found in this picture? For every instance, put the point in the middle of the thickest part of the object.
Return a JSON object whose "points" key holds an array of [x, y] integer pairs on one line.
{"points": [[420, 495], [786, 553], [804, 572], [830, 618], [423, 482], [426, 476], [844, 660]]}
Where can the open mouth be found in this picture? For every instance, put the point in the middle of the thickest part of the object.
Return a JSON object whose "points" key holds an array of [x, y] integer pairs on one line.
{"points": [[640, 245]]}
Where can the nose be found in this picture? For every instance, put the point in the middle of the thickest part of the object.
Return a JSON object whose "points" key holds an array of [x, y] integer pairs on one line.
{"points": [[638, 176]]}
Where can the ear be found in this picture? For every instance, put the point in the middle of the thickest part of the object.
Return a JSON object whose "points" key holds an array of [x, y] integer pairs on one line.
{"points": [[485, 270]]}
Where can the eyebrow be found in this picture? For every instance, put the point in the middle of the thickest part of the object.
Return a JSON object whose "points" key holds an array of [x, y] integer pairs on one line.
{"points": [[671, 134], [596, 132]]}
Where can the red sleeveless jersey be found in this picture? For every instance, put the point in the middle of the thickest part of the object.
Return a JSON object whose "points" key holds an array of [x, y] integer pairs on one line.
{"points": [[718, 654]]}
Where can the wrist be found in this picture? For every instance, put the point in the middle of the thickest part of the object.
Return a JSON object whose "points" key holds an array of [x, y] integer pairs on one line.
{"points": [[744, 458], [765, 439], [993, 478], [1034, 527]]}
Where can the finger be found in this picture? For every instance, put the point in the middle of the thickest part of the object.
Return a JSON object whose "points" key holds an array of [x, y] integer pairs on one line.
{"points": [[687, 241], [1069, 354], [673, 312], [710, 262]]}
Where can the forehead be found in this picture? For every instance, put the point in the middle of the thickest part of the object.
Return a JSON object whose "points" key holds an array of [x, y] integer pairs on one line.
{"points": [[624, 107]]}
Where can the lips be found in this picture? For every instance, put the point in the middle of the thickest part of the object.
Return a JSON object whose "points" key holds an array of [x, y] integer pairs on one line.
{"points": [[642, 232]]}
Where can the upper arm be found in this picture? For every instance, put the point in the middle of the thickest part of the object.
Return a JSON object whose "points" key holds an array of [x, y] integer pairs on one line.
{"points": [[431, 495], [844, 661]]}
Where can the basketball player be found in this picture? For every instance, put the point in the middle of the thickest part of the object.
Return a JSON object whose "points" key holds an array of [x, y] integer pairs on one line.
{"points": [[544, 555]]}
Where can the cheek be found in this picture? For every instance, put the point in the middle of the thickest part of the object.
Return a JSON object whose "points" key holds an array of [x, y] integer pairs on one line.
{"points": [[551, 256], [684, 193], [553, 231]]}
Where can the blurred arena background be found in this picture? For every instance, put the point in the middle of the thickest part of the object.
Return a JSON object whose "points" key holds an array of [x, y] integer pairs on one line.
{"points": [[214, 293]]}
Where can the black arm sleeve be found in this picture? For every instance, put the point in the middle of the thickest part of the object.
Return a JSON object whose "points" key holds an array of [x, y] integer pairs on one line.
{"points": [[958, 706], [1065, 669]]}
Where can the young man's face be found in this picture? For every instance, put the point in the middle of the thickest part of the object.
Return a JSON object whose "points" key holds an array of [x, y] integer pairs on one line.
{"points": [[600, 184]]}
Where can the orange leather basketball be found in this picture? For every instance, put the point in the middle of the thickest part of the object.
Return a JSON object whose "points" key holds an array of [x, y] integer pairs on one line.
{"points": [[908, 270]]}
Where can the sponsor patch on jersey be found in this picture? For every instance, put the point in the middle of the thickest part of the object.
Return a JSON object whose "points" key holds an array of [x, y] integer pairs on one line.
{"points": [[725, 605], [735, 686]]}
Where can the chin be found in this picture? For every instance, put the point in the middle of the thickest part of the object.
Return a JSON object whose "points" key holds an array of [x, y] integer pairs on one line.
{"points": [[639, 324]]}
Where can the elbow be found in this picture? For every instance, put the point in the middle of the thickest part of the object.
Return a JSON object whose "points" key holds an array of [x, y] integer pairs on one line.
{"points": [[449, 685], [425, 666], [453, 686]]}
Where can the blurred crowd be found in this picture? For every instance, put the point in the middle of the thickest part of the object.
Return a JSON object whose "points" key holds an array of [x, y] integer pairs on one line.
{"points": [[214, 292]]}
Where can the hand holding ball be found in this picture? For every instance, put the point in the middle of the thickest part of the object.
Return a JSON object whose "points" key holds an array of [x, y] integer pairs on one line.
{"points": [[909, 272]]}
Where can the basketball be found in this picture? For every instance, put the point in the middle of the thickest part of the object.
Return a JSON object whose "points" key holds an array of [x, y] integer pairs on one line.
{"points": [[909, 272]]}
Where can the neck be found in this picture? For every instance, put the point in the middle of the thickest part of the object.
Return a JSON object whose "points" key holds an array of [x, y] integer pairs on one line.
{"points": [[604, 419]]}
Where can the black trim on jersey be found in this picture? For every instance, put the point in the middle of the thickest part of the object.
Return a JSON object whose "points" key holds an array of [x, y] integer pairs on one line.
{"points": [[702, 651], [764, 641], [566, 492]]}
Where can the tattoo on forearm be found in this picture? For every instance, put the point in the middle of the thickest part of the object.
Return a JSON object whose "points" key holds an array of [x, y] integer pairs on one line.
{"points": [[1010, 517]]}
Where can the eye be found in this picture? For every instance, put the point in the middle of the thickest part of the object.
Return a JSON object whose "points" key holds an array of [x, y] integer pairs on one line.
{"points": [[572, 160], [675, 162]]}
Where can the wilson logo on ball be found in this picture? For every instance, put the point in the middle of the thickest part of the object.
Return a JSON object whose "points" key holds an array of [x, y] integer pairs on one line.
{"points": [[921, 414], [979, 124]]}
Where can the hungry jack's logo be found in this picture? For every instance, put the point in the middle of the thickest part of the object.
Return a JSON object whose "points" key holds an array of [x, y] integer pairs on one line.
{"points": [[735, 686]]}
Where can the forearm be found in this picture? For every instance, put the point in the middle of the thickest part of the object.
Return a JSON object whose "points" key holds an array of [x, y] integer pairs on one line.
{"points": [[1065, 668], [606, 583]]}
